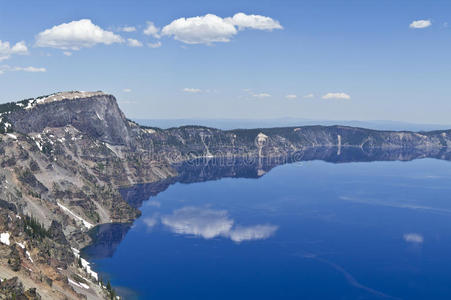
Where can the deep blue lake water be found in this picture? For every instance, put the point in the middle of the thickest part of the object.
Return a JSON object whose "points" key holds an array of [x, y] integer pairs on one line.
{"points": [[309, 230]]}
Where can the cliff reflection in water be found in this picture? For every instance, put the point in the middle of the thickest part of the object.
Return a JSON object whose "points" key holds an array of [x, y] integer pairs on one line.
{"points": [[108, 236]]}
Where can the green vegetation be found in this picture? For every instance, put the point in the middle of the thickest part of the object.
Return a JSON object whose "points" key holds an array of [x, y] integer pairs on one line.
{"points": [[5, 125], [34, 229], [13, 106]]}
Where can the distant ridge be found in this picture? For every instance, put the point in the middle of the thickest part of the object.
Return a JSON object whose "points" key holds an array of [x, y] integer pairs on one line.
{"points": [[227, 124]]}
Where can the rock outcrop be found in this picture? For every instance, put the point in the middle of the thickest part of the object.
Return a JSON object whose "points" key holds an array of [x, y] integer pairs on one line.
{"points": [[95, 114]]}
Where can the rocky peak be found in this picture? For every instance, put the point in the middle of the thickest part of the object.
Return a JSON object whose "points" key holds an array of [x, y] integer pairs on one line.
{"points": [[93, 113]]}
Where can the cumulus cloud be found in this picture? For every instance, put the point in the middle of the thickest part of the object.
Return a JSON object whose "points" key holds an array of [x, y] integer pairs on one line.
{"points": [[6, 49], [127, 90], [418, 24], [67, 53], [134, 43], [309, 96], [291, 96], [154, 45], [413, 238], [200, 30], [76, 35], [192, 90], [336, 96], [127, 29], [243, 21], [210, 223], [152, 30], [209, 29]]}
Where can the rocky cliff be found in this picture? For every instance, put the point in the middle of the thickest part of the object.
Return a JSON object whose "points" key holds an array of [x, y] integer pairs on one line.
{"points": [[93, 113], [64, 157]]}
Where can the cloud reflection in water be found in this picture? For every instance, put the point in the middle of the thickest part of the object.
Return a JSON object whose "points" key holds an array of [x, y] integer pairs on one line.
{"points": [[209, 223]]}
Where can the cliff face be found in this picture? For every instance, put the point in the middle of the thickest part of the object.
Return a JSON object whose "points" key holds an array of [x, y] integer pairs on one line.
{"points": [[191, 142], [94, 114], [64, 157]]}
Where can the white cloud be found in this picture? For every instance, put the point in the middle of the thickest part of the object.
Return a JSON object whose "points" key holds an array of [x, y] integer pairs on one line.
{"points": [[127, 90], [209, 29], [418, 24], [127, 29], [152, 30], [291, 96], [154, 45], [309, 96], [192, 90], [76, 35], [413, 238], [336, 96], [243, 21], [29, 69], [19, 48], [261, 95], [134, 43], [67, 53], [6, 49], [200, 30], [209, 223]]}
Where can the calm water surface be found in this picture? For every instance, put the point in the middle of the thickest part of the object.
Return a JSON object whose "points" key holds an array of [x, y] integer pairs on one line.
{"points": [[310, 230]]}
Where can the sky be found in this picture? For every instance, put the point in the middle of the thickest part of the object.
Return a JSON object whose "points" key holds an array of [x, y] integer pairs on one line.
{"points": [[325, 60]]}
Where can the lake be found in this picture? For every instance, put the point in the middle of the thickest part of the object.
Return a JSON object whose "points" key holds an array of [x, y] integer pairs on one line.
{"points": [[304, 230]]}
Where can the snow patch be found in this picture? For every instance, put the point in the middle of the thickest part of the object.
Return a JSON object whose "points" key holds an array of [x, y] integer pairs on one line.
{"points": [[98, 116], [29, 256], [86, 265], [4, 238], [85, 223], [78, 284], [60, 97]]}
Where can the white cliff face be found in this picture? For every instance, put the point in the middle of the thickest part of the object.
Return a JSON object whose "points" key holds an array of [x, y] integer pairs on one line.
{"points": [[261, 139], [260, 142]]}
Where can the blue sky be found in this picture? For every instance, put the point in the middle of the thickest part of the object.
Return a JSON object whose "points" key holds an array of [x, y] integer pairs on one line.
{"points": [[336, 60]]}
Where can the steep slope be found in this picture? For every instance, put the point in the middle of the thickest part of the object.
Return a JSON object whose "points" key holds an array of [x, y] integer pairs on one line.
{"points": [[93, 113]]}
